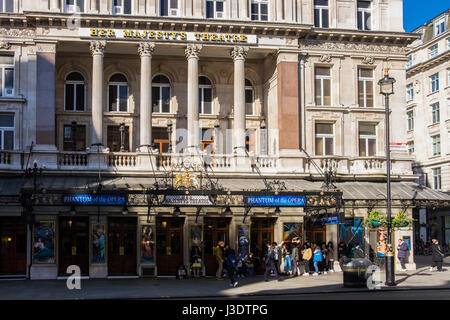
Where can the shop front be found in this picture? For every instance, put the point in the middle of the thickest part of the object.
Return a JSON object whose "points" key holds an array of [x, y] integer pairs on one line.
{"points": [[13, 250]]}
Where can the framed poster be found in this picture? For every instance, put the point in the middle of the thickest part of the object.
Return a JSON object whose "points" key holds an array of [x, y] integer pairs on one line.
{"points": [[407, 240], [351, 232], [147, 243], [44, 242], [98, 243], [292, 230], [381, 242], [243, 240], [196, 235]]}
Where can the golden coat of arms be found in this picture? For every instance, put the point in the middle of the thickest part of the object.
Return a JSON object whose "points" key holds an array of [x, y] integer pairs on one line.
{"points": [[186, 180]]}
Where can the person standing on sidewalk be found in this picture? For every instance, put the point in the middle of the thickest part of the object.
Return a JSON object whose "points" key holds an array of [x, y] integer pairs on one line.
{"points": [[358, 253], [306, 256], [295, 257], [270, 262], [324, 249], [231, 266], [402, 250], [437, 255], [318, 258], [330, 256], [218, 254]]}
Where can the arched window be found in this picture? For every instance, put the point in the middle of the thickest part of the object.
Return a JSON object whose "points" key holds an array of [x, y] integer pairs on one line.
{"points": [[168, 8], [249, 98], [204, 96], [161, 94], [121, 6], [118, 93], [74, 97]]}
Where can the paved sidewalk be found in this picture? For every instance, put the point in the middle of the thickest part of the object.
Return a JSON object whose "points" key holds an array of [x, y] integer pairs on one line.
{"points": [[150, 288]]}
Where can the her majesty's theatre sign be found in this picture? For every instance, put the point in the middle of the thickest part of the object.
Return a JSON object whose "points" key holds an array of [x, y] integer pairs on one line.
{"points": [[202, 37]]}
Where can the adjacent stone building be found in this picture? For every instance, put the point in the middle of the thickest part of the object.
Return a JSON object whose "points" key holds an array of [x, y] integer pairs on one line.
{"points": [[157, 126], [428, 116]]}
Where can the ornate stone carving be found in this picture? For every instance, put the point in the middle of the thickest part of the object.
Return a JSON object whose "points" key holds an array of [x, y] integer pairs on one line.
{"points": [[45, 47], [368, 60], [350, 46], [417, 86], [146, 49], [98, 47], [23, 33], [193, 51], [325, 58], [239, 53], [5, 45]]}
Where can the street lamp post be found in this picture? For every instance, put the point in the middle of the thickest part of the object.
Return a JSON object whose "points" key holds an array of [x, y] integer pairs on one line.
{"points": [[387, 88]]}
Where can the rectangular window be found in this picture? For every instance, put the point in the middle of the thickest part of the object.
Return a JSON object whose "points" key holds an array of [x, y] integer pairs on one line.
{"points": [[118, 98], [250, 141], [437, 178], [74, 5], [434, 82], [435, 113], [121, 6], [207, 140], [321, 10], [214, 9], [436, 143], [434, 51], [439, 26], [367, 140], [409, 62], [260, 10], [249, 102], [410, 115], [79, 144], [6, 5], [168, 7], [7, 75], [114, 138], [323, 86], [409, 92], [6, 132], [324, 139], [160, 139], [366, 88], [205, 100], [411, 147], [364, 15]]}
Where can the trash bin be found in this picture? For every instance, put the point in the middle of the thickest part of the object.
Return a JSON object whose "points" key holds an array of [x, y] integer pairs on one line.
{"points": [[355, 275]]}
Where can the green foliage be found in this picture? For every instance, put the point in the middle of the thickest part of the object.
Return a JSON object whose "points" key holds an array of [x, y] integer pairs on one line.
{"points": [[402, 221], [375, 220]]}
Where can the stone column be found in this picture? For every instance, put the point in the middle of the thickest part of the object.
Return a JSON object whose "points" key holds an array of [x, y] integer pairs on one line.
{"points": [[94, 7], [97, 50], [55, 5], [146, 51], [238, 54], [192, 55]]}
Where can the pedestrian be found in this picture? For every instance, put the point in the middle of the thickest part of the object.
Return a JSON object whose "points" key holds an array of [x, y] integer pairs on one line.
{"points": [[225, 252], [181, 271], [437, 255], [330, 256], [241, 269], [324, 264], [270, 262], [402, 250], [231, 265], [306, 258], [287, 268], [342, 250], [249, 263], [196, 261], [278, 256], [295, 257], [358, 253], [218, 254], [318, 257]]}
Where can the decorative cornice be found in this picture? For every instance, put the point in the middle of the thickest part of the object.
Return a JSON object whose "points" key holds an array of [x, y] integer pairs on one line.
{"points": [[98, 47], [193, 51], [146, 49], [350, 46], [239, 53]]}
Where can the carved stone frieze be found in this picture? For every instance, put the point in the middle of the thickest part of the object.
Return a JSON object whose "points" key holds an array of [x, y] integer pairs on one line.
{"points": [[350, 46]]}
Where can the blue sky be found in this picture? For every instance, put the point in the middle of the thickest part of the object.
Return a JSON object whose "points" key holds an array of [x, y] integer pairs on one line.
{"points": [[418, 12]]}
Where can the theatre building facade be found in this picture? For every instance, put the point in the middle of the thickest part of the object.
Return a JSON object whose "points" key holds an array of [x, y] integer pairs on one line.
{"points": [[133, 131]]}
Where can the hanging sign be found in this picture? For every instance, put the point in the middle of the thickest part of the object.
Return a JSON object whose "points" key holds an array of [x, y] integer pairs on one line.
{"points": [[187, 200], [275, 201], [91, 199]]}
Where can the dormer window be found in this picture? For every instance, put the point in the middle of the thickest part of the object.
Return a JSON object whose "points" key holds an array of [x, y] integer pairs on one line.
{"points": [[439, 26]]}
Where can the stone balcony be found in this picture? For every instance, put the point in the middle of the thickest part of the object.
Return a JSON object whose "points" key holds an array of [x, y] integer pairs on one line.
{"points": [[298, 165]]}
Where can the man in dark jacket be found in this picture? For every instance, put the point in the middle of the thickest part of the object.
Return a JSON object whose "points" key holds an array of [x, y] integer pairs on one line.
{"points": [[231, 264], [295, 257], [402, 250], [437, 255], [270, 262], [358, 253]]}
